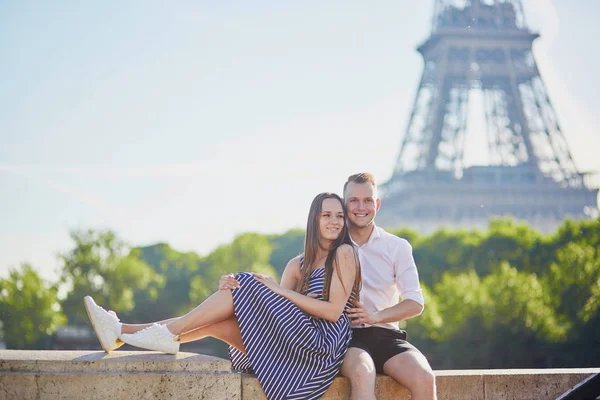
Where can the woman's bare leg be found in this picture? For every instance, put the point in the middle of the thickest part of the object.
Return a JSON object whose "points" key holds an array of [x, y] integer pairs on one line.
{"points": [[216, 308], [227, 331]]}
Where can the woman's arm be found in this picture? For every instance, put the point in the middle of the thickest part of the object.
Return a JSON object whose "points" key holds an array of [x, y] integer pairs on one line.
{"points": [[291, 275], [340, 290]]}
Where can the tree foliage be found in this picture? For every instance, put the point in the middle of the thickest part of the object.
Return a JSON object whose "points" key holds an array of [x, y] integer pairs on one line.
{"points": [[285, 247], [512, 297], [102, 266], [248, 252], [506, 297], [29, 309], [171, 295]]}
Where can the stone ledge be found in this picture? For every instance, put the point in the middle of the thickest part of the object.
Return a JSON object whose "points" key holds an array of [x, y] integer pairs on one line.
{"points": [[513, 384], [151, 375], [118, 361]]}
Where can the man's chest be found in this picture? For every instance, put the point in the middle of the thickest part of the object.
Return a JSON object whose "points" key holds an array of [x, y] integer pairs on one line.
{"points": [[377, 267]]}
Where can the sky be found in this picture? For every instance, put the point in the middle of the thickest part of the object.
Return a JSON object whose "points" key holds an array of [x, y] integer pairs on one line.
{"points": [[194, 121]]}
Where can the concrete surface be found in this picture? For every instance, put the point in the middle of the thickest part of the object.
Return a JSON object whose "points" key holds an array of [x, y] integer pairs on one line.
{"points": [[150, 375]]}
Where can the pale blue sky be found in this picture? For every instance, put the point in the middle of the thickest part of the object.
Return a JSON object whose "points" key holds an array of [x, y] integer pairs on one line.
{"points": [[190, 122]]}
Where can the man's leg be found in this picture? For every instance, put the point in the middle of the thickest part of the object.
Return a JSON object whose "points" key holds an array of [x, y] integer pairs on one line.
{"points": [[359, 368], [412, 370]]}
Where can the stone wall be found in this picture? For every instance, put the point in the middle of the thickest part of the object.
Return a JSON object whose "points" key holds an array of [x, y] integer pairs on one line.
{"points": [[148, 375]]}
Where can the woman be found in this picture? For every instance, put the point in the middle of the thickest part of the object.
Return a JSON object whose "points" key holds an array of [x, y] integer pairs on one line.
{"points": [[293, 335]]}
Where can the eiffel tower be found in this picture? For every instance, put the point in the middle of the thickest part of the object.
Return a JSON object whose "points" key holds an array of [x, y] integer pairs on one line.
{"points": [[483, 46]]}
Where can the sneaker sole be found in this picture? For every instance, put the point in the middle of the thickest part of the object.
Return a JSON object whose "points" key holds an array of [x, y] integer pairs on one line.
{"points": [[117, 343]]}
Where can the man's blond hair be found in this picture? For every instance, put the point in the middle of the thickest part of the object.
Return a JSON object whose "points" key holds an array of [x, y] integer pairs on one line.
{"points": [[361, 177]]}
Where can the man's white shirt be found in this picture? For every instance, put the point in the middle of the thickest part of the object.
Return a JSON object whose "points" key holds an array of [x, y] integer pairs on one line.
{"points": [[388, 273]]}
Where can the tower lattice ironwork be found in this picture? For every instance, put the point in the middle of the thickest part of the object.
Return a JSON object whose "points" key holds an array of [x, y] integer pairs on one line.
{"points": [[484, 46]]}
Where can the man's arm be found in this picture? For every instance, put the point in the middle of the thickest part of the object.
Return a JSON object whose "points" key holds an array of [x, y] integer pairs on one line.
{"points": [[407, 281], [404, 310]]}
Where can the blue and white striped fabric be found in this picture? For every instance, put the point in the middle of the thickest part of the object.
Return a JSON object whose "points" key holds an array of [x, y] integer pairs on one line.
{"points": [[293, 355]]}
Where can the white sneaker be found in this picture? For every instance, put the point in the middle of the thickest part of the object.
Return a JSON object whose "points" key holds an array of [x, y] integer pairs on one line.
{"points": [[104, 323], [156, 337]]}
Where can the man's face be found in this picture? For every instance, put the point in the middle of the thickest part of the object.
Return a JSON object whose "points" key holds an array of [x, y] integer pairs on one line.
{"points": [[362, 202]]}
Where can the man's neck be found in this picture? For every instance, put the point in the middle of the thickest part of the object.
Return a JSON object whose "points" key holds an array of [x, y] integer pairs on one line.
{"points": [[361, 235]]}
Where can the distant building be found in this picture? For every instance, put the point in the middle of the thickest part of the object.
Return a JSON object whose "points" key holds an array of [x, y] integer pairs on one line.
{"points": [[484, 46]]}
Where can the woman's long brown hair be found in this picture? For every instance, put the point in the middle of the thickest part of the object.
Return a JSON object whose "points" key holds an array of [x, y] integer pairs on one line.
{"points": [[312, 244]]}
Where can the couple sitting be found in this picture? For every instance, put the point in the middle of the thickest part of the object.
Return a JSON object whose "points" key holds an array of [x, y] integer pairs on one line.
{"points": [[336, 307]]}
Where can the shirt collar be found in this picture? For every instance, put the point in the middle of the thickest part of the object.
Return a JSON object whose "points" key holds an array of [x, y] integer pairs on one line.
{"points": [[375, 234]]}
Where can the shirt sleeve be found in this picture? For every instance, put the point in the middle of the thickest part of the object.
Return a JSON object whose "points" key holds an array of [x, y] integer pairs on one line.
{"points": [[407, 276]]}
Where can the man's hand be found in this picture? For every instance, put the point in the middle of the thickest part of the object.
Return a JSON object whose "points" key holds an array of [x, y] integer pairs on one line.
{"points": [[228, 282], [360, 315]]}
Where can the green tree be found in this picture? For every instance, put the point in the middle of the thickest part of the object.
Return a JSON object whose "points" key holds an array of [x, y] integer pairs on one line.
{"points": [[480, 317], [29, 309], [459, 297], [581, 232], [575, 282], [430, 325], [249, 252], [444, 251], [285, 247], [522, 302], [182, 287], [101, 265], [505, 241]]}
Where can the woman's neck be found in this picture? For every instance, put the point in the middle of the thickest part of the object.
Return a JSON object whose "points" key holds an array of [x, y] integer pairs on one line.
{"points": [[320, 256]]}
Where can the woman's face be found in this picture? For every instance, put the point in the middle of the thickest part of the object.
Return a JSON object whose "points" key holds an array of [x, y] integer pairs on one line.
{"points": [[331, 220]]}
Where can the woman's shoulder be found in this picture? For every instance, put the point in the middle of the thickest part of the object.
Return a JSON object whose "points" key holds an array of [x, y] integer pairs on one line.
{"points": [[346, 254], [345, 250], [295, 263]]}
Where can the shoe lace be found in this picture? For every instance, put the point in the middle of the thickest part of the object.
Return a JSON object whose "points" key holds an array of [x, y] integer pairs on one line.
{"points": [[114, 314]]}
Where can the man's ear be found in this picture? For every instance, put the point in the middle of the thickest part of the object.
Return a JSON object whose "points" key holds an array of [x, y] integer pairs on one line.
{"points": [[377, 204]]}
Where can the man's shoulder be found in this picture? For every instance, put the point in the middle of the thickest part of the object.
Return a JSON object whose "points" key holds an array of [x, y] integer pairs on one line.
{"points": [[393, 240]]}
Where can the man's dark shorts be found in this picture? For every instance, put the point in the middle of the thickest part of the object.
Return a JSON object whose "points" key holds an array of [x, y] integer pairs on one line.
{"points": [[381, 343]]}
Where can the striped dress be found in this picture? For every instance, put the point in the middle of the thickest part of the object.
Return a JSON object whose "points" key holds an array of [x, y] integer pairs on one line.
{"points": [[293, 355]]}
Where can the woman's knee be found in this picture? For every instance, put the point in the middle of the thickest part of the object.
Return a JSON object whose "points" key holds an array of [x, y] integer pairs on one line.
{"points": [[242, 276]]}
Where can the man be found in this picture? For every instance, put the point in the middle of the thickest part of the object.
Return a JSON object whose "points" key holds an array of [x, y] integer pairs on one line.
{"points": [[388, 272]]}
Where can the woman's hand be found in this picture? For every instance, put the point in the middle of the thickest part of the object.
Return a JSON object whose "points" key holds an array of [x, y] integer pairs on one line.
{"points": [[228, 282], [269, 282]]}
